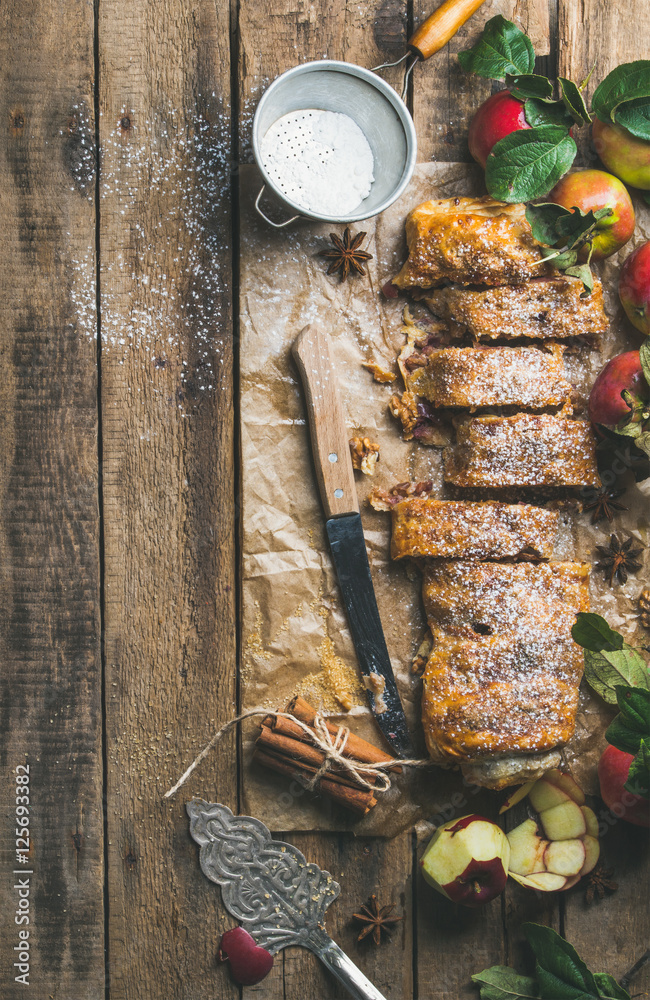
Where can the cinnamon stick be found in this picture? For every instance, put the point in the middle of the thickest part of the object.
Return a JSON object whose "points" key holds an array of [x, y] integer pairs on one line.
{"points": [[357, 799], [299, 751], [355, 748]]}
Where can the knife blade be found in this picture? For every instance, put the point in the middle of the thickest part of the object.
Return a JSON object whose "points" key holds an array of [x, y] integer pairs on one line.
{"points": [[335, 477]]}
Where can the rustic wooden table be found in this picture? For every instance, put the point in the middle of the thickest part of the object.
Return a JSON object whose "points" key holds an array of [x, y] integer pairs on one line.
{"points": [[119, 497]]}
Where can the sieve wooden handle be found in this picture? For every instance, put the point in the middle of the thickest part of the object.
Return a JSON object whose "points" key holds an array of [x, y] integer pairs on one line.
{"points": [[442, 25]]}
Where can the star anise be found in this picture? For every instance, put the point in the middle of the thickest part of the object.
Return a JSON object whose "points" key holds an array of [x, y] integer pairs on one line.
{"points": [[599, 882], [346, 254], [619, 559], [604, 504], [376, 919]]}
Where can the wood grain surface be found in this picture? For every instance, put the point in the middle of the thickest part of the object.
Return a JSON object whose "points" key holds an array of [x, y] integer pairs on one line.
{"points": [[118, 485]]}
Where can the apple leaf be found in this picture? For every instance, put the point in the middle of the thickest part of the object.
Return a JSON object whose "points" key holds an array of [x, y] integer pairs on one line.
{"points": [[524, 85], [582, 271], [644, 357], [635, 117], [592, 632], [526, 164], [628, 82], [540, 112], [638, 778], [573, 101], [501, 983], [543, 220], [606, 671], [632, 725], [501, 49], [608, 987]]}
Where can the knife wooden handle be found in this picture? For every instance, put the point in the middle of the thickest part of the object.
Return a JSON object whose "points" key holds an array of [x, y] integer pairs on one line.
{"points": [[441, 26], [329, 436]]}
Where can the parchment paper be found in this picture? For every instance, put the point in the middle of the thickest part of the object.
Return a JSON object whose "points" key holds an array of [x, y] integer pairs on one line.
{"points": [[294, 628]]}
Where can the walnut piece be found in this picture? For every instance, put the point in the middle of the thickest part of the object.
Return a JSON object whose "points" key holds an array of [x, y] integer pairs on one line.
{"points": [[380, 499], [406, 410], [378, 373], [421, 657], [365, 455]]}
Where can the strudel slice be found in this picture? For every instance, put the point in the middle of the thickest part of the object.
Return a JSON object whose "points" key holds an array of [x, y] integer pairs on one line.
{"points": [[501, 683], [492, 376], [525, 450], [551, 308], [448, 529], [469, 241]]}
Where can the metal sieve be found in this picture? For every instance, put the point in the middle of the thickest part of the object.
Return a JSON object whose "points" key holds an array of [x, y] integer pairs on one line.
{"points": [[379, 112]]}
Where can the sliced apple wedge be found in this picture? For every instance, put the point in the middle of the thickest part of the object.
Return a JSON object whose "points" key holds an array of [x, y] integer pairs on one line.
{"points": [[526, 849], [570, 882], [565, 857], [592, 853], [516, 796], [546, 881], [564, 821], [543, 795], [567, 783], [591, 820]]}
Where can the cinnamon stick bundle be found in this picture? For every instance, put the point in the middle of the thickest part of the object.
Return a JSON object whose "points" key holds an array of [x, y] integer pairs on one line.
{"points": [[285, 747]]}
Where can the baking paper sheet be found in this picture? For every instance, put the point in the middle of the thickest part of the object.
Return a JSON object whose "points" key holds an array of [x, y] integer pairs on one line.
{"points": [[294, 631]]}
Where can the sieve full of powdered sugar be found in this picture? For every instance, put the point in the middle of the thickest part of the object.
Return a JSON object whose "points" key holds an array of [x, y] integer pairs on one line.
{"points": [[320, 160]]}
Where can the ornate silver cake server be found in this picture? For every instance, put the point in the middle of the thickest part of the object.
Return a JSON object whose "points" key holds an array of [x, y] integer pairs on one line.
{"points": [[269, 887]]}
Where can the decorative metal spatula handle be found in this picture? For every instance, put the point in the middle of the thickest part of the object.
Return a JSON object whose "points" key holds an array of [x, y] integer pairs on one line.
{"points": [[338, 963]]}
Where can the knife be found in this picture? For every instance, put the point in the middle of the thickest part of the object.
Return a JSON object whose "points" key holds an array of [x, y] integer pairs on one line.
{"points": [[271, 889], [335, 477]]}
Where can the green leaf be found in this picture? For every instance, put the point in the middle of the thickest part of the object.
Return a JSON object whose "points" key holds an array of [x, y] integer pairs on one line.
{"points": [[539, 112], [592, 632], [561, 973], [646, 197], [543, 218], [526, 164], [638, 779], [501, 49], [501, 983], [605, 671], [635, 117], [643, 442], [644, 355], [608, 987], [627, 82], [582, 271], [573, 101], [524, 85], [566, 259], [632, 724]]}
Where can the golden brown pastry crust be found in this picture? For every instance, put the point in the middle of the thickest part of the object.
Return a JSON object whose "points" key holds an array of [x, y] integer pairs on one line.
{"points": [[525, 450], [550, 308], [449, 529], [504, 672], [469, 241], [492, 376]]}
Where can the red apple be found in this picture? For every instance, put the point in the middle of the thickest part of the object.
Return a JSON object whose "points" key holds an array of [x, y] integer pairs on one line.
{"points": [[249, 963], [467, 860], [594, 189], [496, 118], [613, 770], [634, 287], [623, 153], [623, 374]]}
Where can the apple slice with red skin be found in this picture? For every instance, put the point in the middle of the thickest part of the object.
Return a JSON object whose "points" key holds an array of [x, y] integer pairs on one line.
{"points": [[527, 849], [592, 853], [516, 796], [591, 821], [545, 881], [249, 963], [467, 860], [564, 821], [543, 795], [567, 783], [565, 857]]}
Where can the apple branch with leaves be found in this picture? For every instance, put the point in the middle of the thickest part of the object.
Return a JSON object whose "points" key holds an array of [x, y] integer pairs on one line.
{"points": [[528, 163], [620, 675]]}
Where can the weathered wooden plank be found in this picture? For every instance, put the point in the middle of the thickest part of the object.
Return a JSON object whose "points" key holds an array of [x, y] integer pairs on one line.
{"points": [[597, 36], [49, 531], [445, 97], [169, 489]]}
